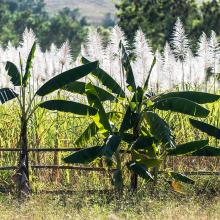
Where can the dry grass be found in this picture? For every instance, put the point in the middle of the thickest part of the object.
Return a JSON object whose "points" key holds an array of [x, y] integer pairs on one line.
{"points": [[96, 207]]}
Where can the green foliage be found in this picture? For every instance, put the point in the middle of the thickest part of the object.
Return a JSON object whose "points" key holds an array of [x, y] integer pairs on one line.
{"points": [[111, 145], [14, 73], [89, 132], [210, 16], [159, 129], [68, 106], [128, 120], [84, 156], [15, 16], [101, 118], [211, 131], [143, 142], [66, 24], [145, 159], [198, 97], [187, 148], [204, 127], [182, 105], [80, 88], [140, 170], [106, 80], [29, 64], [207, 152], [109, 20], [7, 94], [128, 70], [181, 178], [131, 116]]}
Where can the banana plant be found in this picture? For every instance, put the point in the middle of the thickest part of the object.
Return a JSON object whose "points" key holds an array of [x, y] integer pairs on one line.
{"points": [[28, 102], [148, 136]]}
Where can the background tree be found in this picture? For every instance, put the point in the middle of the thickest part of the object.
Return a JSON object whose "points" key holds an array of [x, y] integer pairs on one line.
{"points": [[15, 16], [210, 16], [156, 18], [65, 25]]}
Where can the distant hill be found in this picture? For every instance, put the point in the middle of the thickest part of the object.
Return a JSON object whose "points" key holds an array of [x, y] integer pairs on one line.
{"points": [[94, 10]]}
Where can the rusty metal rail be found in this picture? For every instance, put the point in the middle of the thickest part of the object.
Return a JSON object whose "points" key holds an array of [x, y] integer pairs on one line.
{"points": [[102, 169], [49, 150], [89, 169], [61, 167]]}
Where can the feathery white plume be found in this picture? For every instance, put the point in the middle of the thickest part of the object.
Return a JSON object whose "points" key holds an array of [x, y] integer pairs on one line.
{"points": [[214, 50], [144, 58], [117, 36], [94, 46], [203, 61], [203, 52], [28, 39], [169, 62], [180, 42], [65, 56], [156, 78]]}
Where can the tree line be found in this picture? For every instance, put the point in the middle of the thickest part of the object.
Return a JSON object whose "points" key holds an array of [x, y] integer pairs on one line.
{"points": [[155, 17]]}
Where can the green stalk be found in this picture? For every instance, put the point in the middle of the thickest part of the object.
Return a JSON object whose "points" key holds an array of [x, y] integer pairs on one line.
{"points": [[119, 168], [22, 174], [56, 145], [183, 77]]}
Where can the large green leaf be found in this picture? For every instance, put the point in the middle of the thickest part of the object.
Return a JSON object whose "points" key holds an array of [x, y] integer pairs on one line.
{"points": [[106, 80], [204, 127], [145, 143], [111, 145], [141, 158], [182, 178], [29, 65], [128, 70], [207, 152], [131, 117], [182, 105], [149, 74], [198, 97], [160, 129], [187, 148], [13, 73], [127, 137], [68, 106], [142, 142], [101, 118], [80, 88], [65, 78], [89, 132], [92, 130], [140, 170], [7, 94], [84, 156]]}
